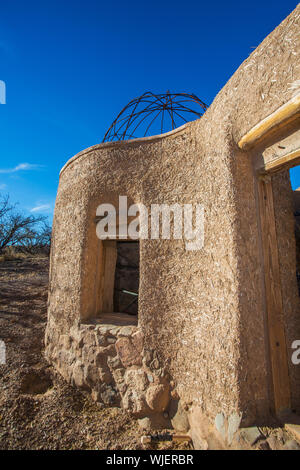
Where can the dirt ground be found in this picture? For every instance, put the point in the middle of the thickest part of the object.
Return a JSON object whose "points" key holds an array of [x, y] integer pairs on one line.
{"points": [[38, 410]]}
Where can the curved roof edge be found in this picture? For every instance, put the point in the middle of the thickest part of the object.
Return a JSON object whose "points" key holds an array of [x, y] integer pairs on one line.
{"points": [[122, 143]]}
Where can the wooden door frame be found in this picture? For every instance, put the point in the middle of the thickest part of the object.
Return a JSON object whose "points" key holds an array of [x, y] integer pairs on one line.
{"points": [[273, 295], [271, 129]]}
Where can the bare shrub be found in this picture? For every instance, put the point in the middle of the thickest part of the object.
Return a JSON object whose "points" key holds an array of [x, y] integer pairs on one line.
{"points": [[26, 234]]}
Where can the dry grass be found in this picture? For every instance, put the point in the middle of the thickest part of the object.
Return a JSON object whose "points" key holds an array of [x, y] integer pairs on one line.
{"points": [[11, 254]]}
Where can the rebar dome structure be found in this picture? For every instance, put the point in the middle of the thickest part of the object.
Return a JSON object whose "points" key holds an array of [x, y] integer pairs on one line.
{"points": [[152, 114]]}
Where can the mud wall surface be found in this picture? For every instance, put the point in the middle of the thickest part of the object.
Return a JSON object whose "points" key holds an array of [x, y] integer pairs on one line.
{"points": [[201, 312], [179, 316]]}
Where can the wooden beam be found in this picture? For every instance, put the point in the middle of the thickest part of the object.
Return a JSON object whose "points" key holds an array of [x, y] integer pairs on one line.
{"points": [[278, 350], [99, 277], [283, 115], [108, 279], [283, 163]]}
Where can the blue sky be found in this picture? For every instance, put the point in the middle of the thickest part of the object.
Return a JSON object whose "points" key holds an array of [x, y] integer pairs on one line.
{"points": [[70, 66]]}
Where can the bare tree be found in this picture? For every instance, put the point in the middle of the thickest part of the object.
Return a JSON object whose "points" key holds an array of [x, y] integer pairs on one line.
{"points": [[19, 230], [36, 240]]}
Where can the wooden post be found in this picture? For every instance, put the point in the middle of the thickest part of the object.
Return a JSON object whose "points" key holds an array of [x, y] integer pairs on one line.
{"points": [[108, 276], [278, 350]]}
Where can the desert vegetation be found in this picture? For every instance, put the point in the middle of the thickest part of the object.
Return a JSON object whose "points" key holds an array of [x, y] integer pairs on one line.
{"points": [[22, 234]]}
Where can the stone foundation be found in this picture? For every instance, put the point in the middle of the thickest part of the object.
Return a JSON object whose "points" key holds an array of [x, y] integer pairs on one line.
{"points": [[110, 363]]}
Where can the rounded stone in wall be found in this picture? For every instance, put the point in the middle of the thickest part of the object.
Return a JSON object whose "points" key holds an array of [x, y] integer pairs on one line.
{"points": [[157, 397]]}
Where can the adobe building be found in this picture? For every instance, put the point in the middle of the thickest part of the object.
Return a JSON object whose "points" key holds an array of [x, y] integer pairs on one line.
{"points": [[211, 346]]}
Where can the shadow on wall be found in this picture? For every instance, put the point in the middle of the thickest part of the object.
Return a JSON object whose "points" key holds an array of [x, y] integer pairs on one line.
{"points": [[297, 232]]}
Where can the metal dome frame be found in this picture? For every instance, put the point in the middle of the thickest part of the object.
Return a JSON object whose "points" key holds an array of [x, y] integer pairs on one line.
{"points": [[132, 116]]}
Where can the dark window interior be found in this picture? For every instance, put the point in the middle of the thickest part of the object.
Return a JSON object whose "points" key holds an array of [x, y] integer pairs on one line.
{"points": [[126, 287]]}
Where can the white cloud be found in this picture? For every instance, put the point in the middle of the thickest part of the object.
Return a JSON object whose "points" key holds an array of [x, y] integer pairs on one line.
{"points": [[3, 186], [20, 167], [41, 208]]}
